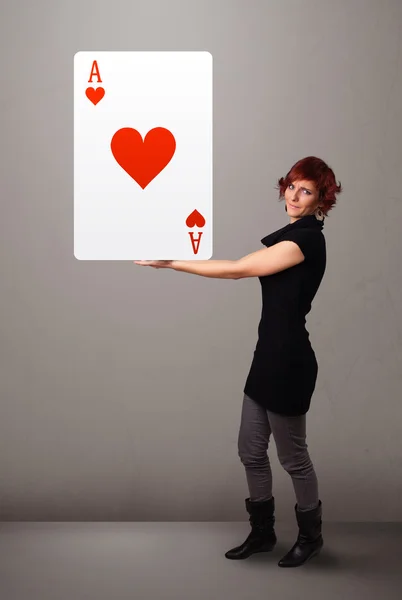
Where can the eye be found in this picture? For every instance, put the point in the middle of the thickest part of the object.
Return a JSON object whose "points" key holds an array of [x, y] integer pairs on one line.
{"points": [[304, 190]]}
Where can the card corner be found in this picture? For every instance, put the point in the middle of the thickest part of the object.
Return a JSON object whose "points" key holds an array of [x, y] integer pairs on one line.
{"points": [[77, 256]]}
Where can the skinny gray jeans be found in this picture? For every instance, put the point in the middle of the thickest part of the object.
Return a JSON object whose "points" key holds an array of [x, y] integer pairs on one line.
{"points": [[257, 424]]}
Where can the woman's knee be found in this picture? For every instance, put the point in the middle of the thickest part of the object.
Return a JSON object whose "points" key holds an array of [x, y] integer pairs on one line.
{"points": [[254, 459], [252, 453], [296, 463]]}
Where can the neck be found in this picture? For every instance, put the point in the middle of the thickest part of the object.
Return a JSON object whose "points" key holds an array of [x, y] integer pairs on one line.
{"points": [[294, 219]]}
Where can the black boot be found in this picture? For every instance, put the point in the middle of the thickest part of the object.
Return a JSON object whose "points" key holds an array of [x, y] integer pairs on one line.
{"points": [[309, 541], [262, 537]]}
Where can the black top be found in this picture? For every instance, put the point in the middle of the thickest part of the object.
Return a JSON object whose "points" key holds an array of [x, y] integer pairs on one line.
{"points": [[284, 369]]}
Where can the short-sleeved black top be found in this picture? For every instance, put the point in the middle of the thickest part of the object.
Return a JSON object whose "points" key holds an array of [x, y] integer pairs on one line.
{"points": [[284, 369]]}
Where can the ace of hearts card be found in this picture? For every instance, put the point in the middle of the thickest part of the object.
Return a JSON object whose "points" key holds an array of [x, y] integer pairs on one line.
{"points": [[142, 155]]}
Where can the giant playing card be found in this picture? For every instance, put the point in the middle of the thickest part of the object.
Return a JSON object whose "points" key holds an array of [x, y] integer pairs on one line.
{"points": [[142, 155]]}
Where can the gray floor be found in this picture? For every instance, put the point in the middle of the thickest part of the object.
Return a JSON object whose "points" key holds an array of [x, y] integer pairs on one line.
{"points": [[185, 561]]}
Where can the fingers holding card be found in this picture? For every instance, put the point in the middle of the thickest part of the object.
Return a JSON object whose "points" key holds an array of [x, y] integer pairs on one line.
{"points": [[142, 155]]}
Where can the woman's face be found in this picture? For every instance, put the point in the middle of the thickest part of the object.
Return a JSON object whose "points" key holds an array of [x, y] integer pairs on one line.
{"points": [[301, 199]]}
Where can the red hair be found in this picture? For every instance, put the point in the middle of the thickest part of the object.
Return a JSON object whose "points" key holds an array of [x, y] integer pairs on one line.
{"points": [[316, 170]]}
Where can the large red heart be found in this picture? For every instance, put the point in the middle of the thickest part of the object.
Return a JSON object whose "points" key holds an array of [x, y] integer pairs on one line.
{"points": [[95, 95], [143, 160]]}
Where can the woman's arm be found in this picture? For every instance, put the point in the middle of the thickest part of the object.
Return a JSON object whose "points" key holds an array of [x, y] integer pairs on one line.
{"points": [[221, 269], [267, 261]]}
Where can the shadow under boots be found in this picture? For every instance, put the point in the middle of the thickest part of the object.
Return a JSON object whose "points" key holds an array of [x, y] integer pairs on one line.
{"points": [[262, 537]]}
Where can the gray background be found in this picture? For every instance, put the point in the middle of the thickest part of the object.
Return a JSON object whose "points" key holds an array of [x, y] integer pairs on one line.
{"points": [[121, 386]]}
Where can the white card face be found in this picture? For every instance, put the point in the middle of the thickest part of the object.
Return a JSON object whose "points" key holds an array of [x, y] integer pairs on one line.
{"points": [[142, 155]]}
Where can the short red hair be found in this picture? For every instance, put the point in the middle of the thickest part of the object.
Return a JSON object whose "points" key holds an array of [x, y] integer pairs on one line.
{"points": [[316, 170]]}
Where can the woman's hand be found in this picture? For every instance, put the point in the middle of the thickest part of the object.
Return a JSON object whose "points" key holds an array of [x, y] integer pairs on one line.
{"points": [[156, 264]]}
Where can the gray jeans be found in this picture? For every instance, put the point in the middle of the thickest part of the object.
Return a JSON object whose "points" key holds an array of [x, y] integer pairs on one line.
{"points": [[257, 424]]}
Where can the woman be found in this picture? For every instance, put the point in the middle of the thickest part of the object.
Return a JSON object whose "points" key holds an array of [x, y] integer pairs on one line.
{"points": [[284, 369]]}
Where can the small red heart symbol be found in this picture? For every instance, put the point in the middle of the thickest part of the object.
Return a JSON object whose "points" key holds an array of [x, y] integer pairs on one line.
{"points": [[95, 95], [143, 160], [195, 218]]}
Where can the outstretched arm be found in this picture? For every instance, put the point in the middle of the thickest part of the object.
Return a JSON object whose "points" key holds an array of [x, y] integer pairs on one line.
{"points": [[266, 261], [221, 269]]}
